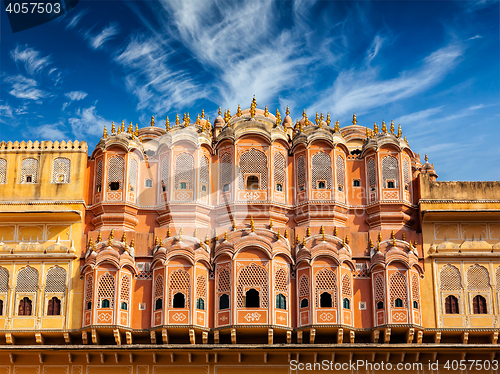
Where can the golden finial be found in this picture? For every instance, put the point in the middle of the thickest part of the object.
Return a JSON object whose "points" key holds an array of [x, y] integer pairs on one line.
{"points": [[220, 112], [321, 117], [216, 237], [384, 127], [306, 121], [198, 119], [203, 113], [169, 233], [367, 132], [252, 225], [105, 132], [328, 119], [113, 130], [286, 234], [287, 111], [252, 112], [392, 234], [297, 239], [180, 235], [266, 113], [184, 117], [195, 233], [347, 239], [157, 241], [254, 102], [426, 158], [392, 126], [125, 247], [124, 237], [130, 129], [233, 224], [270, 224], [308, 232], [177, 119], [111, 236], [304, 241], [228, 115], [354, 121], [343, 242], [371, 243], [99, 237], [399, 131], [225, 236], [187, 119], [324, 236], [405, 139], [207, 241], [152, 121], [238, 112], [167, 124], [404, 236], [317, 118], [379, 236], [132, 243], [335, 232], [378, 247], [322, 229], [136, 132], [337, 126], [279, 234], [415, 244], [208, 124], [301, 127], [394, 241], [161, 242], [411, 246], [375, 127], [123, 126], [91, 243], [303, 113], [278, 117]]}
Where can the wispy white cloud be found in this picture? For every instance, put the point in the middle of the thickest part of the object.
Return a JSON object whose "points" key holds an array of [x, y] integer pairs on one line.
{"points": [[464, 112], [47, 131], [475, 37], [363, 89], [73, 22], [25, 88], [375, 47], [31, 59], [97, 41], [76, 95], [5, 113], [87, 122], [418, 116]]}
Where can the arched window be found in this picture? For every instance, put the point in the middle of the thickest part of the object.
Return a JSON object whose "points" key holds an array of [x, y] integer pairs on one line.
{"points": [[184, 170], [3, 171], [449, 278], [124, 292], [321, 171], [304, 303], [398, 303], [415, 304], [479, 305], [346, 304], [200, 304], [61, 170], [325, 300], [105, 303], [279, 187], [27, 280], [252, 182], [356, 183], [252, 277], [301, 173], [158, 303], [380, 305], [4, 285], [98, 177], [148, 183], [253, 162], [179, 300], [224, 302], [397, 290], [29, 170], [55, 280], [123, 305], [89, 305], [280, 301], [54, 307], [24, 307], [115, 173], [106, 291], [451, 305], [279, 171], [252, 299], [390, 172]]}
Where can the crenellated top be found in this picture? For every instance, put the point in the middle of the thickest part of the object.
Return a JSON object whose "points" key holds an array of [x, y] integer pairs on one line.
{"points": [[69, 146]]}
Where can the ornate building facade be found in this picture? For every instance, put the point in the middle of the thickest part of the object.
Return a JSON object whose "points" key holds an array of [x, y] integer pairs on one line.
{"points": [[254, 241]]}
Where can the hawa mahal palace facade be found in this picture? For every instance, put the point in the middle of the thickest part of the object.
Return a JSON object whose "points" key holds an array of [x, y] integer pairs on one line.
{"points": [[241, 245]]}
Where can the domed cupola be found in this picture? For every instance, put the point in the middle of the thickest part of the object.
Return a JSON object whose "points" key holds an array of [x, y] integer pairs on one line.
{"points": [[428, 168]]}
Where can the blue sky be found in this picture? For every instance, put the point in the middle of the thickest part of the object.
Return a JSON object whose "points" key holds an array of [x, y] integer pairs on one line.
{"points": [[431, 66]]}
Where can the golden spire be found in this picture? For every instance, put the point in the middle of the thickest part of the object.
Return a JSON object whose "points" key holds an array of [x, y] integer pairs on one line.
{"points": [[266, 113], [130, 129], [287, 112], [252, 112], [225, 236], [297, 239], [209, 125], [270, 224], [157, 241], [304, 241], [228, 115], [405, 139], [378, 247], [347, 239], [415, 243], [91, 243], [286, 234], [375, 127], [317, 118], [384, 127], [207, 241], [124, 237], [392, 126], [379, 236], [372, 134], [335, 232], [123, 126], [167, 124], [169, 233], [328, 119], [411, 246], [404, 236], [322, 229], [367, 132], [399, 131], [238, 112], [105, 132], [233, 224], [278, 117], [392, 234], [426, 158], [198, 119], [220, 111], [184, 118], [301, 126], [321, 117], [308, 232], [187, 119], [152, 121], [216, 237], [306, 121], [99, 237], [111, 236], [337, 126], [180, 235], [254, 103], [371, 243], [136, 132], [195, 233], [113, 130], [303, 113], [177, 119], [394, 241], [354, 121], [323, 235], [203, 113], [252, 225], [161, 242], [132, 243], [279, 234]]}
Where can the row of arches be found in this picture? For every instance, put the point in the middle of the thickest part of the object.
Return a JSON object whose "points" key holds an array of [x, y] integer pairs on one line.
{"points": [[29, 171]]}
